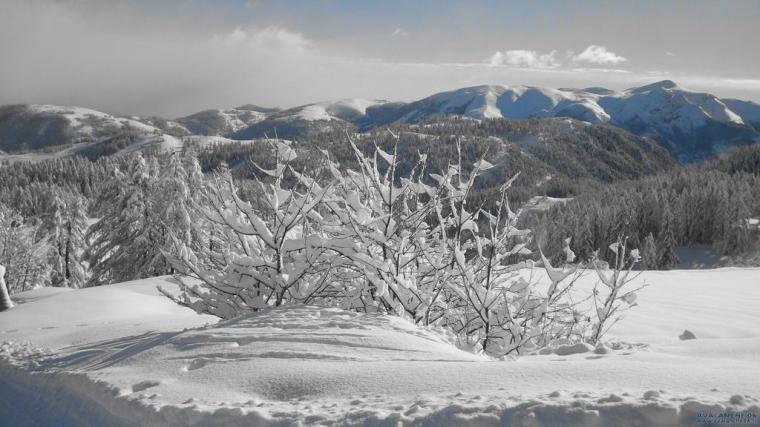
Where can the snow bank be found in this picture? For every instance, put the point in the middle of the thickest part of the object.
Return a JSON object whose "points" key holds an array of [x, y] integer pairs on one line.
{"points": [[123, 355]]}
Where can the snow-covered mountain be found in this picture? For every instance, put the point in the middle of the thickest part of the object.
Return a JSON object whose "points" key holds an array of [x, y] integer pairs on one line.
{"points": [[311, 118], [37, 127], [691, 125], [221, 122]]}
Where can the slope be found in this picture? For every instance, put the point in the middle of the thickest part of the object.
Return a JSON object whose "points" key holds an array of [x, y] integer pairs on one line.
{"points": [[119, 354]]}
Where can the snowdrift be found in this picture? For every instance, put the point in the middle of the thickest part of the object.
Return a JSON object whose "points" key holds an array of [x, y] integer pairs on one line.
{"points": [[124, 355]]}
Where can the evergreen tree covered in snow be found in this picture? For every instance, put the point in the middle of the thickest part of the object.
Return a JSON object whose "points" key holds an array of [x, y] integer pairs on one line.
{"points": [[23, 252], [666, 241], [738, 232], [649, 253], [67, 230], [126, 242]]}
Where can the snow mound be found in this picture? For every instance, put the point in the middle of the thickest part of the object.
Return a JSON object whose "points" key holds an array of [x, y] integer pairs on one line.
{"points": [[124, 355], [63, 317], [307, 332]]}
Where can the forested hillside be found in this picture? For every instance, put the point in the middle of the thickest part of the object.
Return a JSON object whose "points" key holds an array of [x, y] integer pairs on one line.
{"points": [[556, 157], [695, 206], [74, 221]]}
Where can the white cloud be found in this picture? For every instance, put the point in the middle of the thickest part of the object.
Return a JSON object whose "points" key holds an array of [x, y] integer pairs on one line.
{"points": [[596, 54], [399, 32], [270, 38], [670, 54], [119, 59], [524, 59], [600, 70]]}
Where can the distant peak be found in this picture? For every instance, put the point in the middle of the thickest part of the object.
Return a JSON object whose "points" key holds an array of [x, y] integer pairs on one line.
{"points": [[258, 108], [664, 84], [595, 90]]}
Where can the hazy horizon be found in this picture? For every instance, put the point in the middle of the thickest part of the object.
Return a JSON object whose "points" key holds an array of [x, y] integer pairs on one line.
{"points": [[174, 58]]}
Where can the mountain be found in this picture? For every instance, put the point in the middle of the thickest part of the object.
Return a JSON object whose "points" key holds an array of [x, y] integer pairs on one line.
{"points": [[692, 126], [747, 110], [223, 122], [69, 130], [310, 119]]}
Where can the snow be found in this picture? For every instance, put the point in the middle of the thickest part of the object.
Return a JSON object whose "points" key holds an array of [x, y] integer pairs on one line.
{"points": [[664, 105], [355, 105], [78, 118], [344, 109], [211, 140], [233, 118], [154, 142], [145, 142], [747, 110], [121, 352], [314, 112], [539, 204], [34, 156]]}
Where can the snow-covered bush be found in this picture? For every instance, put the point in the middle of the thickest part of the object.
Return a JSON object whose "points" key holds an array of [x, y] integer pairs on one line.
{"points": [[375, 240], [266, 253], [614, 294], [386, 217]]}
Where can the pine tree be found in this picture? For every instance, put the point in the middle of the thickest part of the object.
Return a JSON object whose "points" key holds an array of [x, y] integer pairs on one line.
{"points": [[128, 239], [67, 228], [649, 253], [737, 235], [666, 241]]}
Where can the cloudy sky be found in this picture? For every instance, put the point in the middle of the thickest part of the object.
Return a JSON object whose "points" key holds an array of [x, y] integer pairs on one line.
{"points": [[173, 58]]}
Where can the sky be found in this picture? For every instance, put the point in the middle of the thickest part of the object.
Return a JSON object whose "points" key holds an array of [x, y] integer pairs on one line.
{"points": [[174, 57]]}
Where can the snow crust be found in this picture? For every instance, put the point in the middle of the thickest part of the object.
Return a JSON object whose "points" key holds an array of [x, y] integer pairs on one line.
{"points": [[123, 355]]}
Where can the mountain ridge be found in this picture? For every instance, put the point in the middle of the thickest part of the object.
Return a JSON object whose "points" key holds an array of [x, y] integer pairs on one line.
{"points": [[692, 126]]}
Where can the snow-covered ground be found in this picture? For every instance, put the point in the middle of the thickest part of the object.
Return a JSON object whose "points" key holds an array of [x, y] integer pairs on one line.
{"points": [[123, 355]]}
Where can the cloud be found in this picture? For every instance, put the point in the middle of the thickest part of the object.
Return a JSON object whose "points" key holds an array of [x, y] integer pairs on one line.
{"points": [[120, 59], [399, 32], [124, 58], [524, 59], [670, 54], [596, 54], [273, 39], [601, 70]]}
